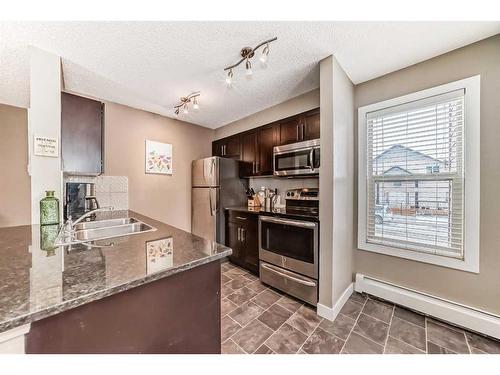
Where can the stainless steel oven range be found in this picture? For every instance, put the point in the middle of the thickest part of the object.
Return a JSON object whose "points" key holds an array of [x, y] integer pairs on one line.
{"points": [[289, 246]]}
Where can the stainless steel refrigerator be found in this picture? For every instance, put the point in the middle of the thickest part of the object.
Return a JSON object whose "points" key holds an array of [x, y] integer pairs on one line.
{"points": [[216, 185]]}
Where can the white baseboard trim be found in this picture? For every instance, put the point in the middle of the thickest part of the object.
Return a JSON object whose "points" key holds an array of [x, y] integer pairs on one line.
{"points": [[331, 313], [452, 312]]}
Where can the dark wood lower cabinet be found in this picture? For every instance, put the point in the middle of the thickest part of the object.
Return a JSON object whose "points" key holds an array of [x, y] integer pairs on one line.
{"points": [[179, 314], [243, 239]]}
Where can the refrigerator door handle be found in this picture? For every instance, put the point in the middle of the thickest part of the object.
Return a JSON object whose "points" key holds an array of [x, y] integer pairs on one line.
{"points": [[212, 167], [212, 209]]}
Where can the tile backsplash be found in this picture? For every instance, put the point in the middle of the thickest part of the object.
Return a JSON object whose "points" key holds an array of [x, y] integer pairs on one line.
{"points": [[112, 191], [283, 184], [109, 190]]}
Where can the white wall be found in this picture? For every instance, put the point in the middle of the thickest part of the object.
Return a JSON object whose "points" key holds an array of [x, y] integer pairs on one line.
{"points": [[44, 119], [326, 183], [336, 185], [343, 181]]}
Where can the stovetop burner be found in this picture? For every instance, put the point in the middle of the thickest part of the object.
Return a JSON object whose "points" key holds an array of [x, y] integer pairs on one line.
{"points": [[303, 202]]}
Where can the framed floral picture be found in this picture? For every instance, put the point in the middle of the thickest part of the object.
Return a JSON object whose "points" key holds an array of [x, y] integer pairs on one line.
{"points": [[159, 255], [158, 157]]}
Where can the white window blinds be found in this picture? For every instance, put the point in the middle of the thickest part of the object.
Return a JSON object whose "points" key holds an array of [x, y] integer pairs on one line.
{"points": [[415, 175]]}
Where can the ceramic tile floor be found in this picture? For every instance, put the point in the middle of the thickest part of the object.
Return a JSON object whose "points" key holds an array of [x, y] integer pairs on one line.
{"points": [[259, 319]]}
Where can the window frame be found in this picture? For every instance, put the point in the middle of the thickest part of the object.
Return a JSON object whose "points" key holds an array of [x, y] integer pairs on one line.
{"points": [[471, 163]]}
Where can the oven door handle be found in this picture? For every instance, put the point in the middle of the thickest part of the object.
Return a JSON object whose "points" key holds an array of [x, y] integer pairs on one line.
{"points": [[302, 224], [296, 279]]}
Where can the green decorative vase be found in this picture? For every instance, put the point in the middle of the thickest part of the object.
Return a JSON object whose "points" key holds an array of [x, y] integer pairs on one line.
{"points": [[49, 209], [48, 235]]}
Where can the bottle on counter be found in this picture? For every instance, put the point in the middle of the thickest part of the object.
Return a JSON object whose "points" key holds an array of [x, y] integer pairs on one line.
{"points": [[49, 209], [48, 236]]}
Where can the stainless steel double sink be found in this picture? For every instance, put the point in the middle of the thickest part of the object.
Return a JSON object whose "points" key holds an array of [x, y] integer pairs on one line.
{"points": [[104, 229]]}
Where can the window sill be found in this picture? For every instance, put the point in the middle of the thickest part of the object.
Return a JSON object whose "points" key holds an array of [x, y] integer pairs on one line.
{"points": [[468, 264]]}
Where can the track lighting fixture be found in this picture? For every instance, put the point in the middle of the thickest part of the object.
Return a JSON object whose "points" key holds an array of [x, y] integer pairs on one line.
{"points": [[246, 54], [185, 100], [229, 78]]}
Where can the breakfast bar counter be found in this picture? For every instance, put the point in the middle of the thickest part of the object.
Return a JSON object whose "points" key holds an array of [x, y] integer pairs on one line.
{"points": [[130, 294]]}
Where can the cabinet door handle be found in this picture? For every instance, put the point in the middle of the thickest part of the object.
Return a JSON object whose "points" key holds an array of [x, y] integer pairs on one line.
{"points": [[239, 235], [243, 234], [298, 126], [241, 218]]}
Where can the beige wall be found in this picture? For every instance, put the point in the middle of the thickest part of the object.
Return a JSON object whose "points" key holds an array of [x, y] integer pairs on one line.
{"points": [[478, 290], [164, 198], [15, 190], [299, 104]]}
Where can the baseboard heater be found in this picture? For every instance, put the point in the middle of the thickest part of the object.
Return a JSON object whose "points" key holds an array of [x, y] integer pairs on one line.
{"points": [[457, 314]]}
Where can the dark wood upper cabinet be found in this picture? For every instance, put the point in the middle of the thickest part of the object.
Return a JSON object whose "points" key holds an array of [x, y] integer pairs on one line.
{"points": [[81, 134], [256, 146], [268, 138], [228, 147], [290, 130], [232, 149], [303, 127], [217, 148], [250, 151], [311, 125]]}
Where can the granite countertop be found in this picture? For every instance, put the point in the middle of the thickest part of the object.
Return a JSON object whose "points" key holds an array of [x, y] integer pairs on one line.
{"points": [[35, 283], [282, 211]]}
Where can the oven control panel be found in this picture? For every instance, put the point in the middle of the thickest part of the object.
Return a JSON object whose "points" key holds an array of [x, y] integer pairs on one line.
{"points": [[303, 194]]}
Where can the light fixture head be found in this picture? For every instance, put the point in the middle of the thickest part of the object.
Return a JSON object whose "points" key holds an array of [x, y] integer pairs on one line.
{"points": [[246, 54], [265, 54], [184, 102], [248, 72], [229, 78]]}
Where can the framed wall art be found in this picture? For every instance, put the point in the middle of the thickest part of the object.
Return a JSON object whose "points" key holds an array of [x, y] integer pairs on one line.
{"points": [[158, 157]]}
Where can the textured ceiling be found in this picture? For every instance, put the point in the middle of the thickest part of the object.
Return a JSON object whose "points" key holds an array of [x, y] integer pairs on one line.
{"points": [[149, 65]]}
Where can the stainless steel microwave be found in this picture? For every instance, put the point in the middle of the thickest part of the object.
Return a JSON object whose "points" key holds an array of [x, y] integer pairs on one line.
{"points": [[297, 159]]}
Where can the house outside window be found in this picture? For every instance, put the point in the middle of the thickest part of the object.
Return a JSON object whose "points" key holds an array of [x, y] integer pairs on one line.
{"points": [[421, 153]]}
